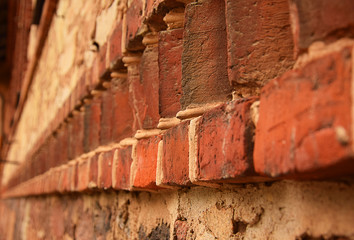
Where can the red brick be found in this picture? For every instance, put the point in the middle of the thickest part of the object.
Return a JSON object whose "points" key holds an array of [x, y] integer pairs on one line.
{"points": [[93, 171], [76, 135], [52, 142], [134, 19], [61, 150], [175, 156], [92, 124], [72, 176], [106, 117], [149, 82], [121, 168], [181, 229], [304, 128], [63, 184], [259, 43], [146, 163], [204, 57], [170, 71], [105, 162], [122, 110], [225, 143], [320, 20], [83, 169], [115, 47], [103, 66]]}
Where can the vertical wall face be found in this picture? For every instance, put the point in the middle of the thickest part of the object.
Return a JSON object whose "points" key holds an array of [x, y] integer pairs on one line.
{"points": [[186, 120]]}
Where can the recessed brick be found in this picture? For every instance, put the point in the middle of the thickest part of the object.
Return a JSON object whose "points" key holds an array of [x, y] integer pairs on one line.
{"points": [[259, 43], [304, 127], [122, 111], [61, 150], [106, 117], [76, 135], [204, 57], [92, 124], [170, 71], [105, 162], [175, 156], [144, 166], [134, 19], [115, 47], [121, 168], [148, 95], [320, 20], [224, 138]]}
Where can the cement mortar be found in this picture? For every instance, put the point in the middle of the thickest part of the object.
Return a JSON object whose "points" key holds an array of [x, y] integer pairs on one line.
{"points": [[281, 210]]}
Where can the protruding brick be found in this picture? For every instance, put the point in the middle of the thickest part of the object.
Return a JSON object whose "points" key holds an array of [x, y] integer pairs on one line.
{"points": [[105, 162], [93, 171], [320, 20], [259, 43], [92, 120], [121, 168], [224, 145], [204, 57], [305, 125], [144, 166], [175, 156], [83, 169], [170, 71]]}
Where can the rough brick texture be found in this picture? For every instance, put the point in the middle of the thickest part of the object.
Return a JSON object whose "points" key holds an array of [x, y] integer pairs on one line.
{"points": [[122, 111], [121, 168], [149, 74], [170, 71], [204, 62], [304, 124], [320, 20], [92, 124], [175, 156], [145, 164], [259, 43], [225, 143]]}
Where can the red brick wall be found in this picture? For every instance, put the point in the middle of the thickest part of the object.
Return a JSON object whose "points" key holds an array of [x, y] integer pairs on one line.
{"points": [[210, 93]]}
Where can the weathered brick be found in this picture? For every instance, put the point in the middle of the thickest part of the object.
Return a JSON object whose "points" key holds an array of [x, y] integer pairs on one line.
{"points": [[121, 168], [92, 124], [105, 162], [175, 156], [204, 57], [144, 167], [106, 117], [83, 169], [259, 43], [134, 19], [72, 176], [224, 138], [93, 171], [76, 133], [304, 127], [170, 71], [320, 20], [114, 50], [148, 95], [122, 111], [61, 150]]}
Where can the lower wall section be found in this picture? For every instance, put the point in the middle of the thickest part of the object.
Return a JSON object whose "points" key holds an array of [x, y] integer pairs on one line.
{"points": [[281, 210]]}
